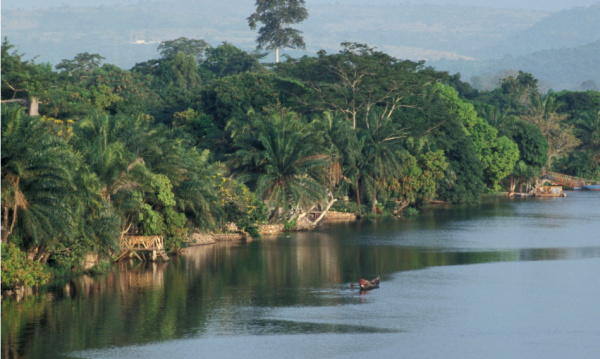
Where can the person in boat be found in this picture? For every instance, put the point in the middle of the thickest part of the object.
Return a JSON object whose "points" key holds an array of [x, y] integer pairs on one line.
{"points": [[365, 284]]}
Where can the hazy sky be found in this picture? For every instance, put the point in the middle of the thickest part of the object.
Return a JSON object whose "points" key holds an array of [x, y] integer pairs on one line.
{"points": [[543, 5]]}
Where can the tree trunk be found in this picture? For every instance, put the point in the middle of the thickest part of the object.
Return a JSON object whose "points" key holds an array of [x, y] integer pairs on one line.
{"points": [[329, 204], [512, 184], [374, 201], [4, 229], [14, 219], [277, 55], [358, 199], [33, 106]]}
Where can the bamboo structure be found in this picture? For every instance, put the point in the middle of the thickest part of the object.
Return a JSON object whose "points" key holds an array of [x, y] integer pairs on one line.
{"points": [[131, 245], [565, 180]]}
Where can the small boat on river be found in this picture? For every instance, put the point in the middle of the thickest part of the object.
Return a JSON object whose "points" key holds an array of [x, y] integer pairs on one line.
{"points": [[592, 187], [368, 285]]}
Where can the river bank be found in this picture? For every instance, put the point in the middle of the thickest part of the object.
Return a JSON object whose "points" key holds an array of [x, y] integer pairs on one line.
{"points": [[509, 274], [92, 261]]}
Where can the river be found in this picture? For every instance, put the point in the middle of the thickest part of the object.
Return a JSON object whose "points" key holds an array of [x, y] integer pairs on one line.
{"points": [[509, 278]]}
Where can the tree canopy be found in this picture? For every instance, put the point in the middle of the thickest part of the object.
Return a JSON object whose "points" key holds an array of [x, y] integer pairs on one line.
{"points": [[276, 15]]}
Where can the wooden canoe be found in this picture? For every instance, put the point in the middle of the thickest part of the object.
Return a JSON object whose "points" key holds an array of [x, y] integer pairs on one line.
{"points": [[368, 285]]}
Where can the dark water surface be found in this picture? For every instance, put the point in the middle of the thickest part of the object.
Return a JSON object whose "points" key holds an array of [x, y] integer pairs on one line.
{"points": [[504, 279]]}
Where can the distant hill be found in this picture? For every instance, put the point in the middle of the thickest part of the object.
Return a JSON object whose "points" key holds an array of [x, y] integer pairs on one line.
{"points": [[124, 35], [415, 31], [567, 28], [567, 68], [130, 33], [562, 51]]}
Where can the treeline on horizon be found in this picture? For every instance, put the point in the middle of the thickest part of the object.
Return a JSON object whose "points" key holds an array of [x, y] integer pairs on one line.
{"points": [[204, 136]]}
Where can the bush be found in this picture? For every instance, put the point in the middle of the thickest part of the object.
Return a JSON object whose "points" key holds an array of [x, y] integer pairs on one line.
{"points": [[18, 270], [100, 268], [346, 207], [289, 226], [411, 212]]}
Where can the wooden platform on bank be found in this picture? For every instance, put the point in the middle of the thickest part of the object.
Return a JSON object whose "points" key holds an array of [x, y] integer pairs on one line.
{"points": [[131, 245]]}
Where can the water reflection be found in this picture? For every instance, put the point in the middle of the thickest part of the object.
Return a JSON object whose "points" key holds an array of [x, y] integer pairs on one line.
{"points": [[238, 288]]}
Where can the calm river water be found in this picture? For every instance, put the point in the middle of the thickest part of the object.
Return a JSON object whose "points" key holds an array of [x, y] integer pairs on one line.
{"points": [[504, 279]]}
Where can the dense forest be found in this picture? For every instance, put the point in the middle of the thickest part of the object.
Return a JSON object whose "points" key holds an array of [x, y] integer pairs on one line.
{"points": [[203, 136]]}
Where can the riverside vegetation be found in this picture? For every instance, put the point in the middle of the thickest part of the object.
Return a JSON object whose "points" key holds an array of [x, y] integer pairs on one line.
{"points": [[204, 135]]}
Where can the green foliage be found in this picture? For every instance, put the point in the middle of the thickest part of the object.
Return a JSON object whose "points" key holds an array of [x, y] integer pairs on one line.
{"points": [[21, 79], [163, 189], [410, 212], [289, 225], [177, 79], [83, 64], [582, 164], [150, 222], [227, 60], [240, 204], [176, 229], [232, 97], [503, 156], [533, 146], [344, 206], [37, 180], [575, 102], [131, 92], [420, 176], [100, 268], [18, 270], [463, 181], [282, 161], [228, 101], [161, 218], [377, 160], [357, 83], [191, 47], [497, 155]]}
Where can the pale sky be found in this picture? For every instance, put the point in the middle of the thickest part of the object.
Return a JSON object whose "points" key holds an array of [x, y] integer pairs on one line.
{"points": [[541, 5]]}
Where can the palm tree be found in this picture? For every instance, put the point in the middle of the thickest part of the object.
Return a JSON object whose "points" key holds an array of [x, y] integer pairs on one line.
{"points": [[37, 182], [559, 135], [99, 139], [501, 120], [380, 143], [338, 140], [587, 128], [284, 162]]}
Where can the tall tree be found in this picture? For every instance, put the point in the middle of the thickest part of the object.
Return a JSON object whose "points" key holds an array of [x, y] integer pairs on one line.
{"points": [[357, 81], [82, 64], [587, 128], [544, 114], [275, 16], [191, 47], [228, 100], [463, 180], [227, 60]]}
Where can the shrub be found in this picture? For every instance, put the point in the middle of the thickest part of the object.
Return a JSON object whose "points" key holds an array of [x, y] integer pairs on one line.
{"points": [[18, 270], [411, 212]]}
